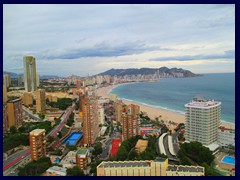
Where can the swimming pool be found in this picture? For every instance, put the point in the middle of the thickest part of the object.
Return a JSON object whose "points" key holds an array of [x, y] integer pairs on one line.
{"points": [[228, 160], [73, 138], [57, 160]]}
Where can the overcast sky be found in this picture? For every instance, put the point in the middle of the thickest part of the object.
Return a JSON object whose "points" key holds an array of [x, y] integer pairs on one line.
{"points": [[89, 39]]}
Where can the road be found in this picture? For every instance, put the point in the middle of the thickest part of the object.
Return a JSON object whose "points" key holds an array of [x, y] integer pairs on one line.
{"points": [[19, 156], [28, 113]]}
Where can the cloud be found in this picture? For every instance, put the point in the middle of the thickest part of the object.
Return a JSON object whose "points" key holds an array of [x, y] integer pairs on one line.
{"points": [[102, 49], [230, 54]]}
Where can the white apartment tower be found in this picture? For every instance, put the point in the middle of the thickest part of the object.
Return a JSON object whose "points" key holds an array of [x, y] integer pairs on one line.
{"points": [[202, 120]]}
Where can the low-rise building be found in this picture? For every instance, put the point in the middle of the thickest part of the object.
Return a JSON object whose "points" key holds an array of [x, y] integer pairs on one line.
{"points": [[56, 171], [157, 167], [226, 136], [141, 145], [69, 160]]}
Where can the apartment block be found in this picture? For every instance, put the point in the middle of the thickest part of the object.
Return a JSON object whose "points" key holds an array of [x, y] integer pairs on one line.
{"points": [[40, 101], [157, 167], [82, 157], [14, 111], [130, 119], [5, 118], [202, 120], [90, 120], [27, 99], [37, 143]]}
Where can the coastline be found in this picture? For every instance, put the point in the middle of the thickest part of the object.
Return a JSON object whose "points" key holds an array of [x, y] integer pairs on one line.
{"points": [[154, 112]]}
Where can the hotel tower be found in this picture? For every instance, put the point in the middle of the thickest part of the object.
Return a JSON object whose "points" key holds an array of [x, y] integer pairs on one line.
{"points": [[202, 120], [30, 75]]}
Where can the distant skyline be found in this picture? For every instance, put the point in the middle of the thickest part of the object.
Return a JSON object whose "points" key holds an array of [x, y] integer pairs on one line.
{"points": [[90, 39]]}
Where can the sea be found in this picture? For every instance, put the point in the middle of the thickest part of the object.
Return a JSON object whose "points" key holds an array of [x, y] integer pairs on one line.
{"points": [[173, 93]]}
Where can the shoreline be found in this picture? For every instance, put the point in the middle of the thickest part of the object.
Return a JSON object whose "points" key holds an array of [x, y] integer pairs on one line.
{"points": [[153, 112]]}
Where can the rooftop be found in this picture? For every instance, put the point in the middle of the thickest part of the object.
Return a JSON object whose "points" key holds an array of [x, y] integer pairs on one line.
{"points": [[125, 164], [37, 131], [185, 168], [203, 104]]}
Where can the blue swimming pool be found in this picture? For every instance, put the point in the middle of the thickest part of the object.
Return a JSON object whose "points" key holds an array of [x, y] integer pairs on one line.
{"points": [[73, 138], [228, 160], [57, 160]]}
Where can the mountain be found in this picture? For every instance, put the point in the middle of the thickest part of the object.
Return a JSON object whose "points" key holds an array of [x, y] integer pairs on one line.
{"points": [[13, 75], [163, 71]]}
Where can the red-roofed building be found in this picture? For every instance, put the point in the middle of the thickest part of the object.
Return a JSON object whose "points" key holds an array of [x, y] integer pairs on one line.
{"points": [[115, 146]]}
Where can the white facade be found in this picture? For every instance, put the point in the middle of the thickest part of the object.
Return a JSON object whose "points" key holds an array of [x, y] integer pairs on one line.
{"points": [[226, 137], [55, 170], [202, 120]]}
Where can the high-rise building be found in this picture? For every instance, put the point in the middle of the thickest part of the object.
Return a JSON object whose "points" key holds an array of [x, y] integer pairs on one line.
{"points": [[7, 79], [20, 79], [5, 118], [4, 93], [118, 110], [157, 167], [37, 143], [15, 116], [40, 101], [130, 120], [90, 120], [27, 98], [38, 80], [101, 115], [202, 120], [30, 74]]}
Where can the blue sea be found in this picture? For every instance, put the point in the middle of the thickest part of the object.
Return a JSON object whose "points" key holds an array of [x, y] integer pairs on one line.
{"points": [[173, 93]]}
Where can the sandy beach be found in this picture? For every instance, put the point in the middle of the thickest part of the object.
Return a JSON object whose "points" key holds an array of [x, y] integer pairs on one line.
{"points": [[155, 112]]}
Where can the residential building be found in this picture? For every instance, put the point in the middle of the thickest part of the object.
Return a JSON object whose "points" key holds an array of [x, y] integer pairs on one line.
{"points": [[20, 80], [14, 111], [90, 120], [141, 145], [37, 143], [101, 115], [130, 120], [82, 158], [5, 118], [226, 136], [118, 111], [7, 79], [38, 80], [69, 160], [157, 167], [202, 120], [30, 74], [55, 171], [27, 98], [5, 98], [40, 101]]}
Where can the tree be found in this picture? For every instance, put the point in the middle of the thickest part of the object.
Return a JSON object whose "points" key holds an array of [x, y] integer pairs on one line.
{"points": [[13, 130], [75, 171], [97, 149], [51, 139], [59, 134], [22, 129]]}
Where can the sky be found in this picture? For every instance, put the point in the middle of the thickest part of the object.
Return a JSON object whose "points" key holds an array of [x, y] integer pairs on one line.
{"points": [[90, 39]]}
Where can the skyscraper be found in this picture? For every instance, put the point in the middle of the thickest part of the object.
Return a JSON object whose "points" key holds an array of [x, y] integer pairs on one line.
{"points": [[202, 120], [27, 98], [90, 120], [30, 75], [20, 79], [40, 101], [15, 116], [37, 143], [130, 120], [7, 79]]}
